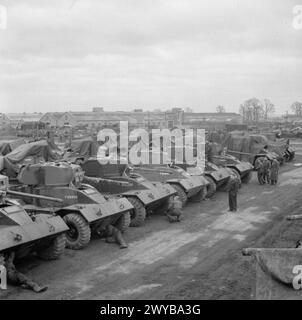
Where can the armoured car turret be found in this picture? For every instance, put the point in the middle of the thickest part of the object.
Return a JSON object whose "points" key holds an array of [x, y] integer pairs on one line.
{"points": [[82, 207], [23, 231]]}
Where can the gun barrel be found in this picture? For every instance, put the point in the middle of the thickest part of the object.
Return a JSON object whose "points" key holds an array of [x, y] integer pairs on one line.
{"points": [[117, 182], [34, 196]]}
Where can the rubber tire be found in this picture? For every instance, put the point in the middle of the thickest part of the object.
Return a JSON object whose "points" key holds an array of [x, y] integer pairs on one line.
{"points": [[180, 193], [123, 222], [84, 232], [211, 188], [139, 212], [55, 249], [247, 178]]}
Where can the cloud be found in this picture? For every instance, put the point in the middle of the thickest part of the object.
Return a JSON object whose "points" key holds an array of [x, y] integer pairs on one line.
{"points": [[140, 53]]}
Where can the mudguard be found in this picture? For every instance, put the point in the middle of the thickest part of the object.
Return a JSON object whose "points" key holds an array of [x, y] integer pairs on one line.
{"points": [[117, 205], [203, 180], [94, 212], [191, 186], [158, 192], [17, 228], [219, 175], [243, 166], [195, 171]]}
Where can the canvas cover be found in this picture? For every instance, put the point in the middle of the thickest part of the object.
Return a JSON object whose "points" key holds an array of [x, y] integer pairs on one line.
{"points": [[39, 150], [5, 148], [83, 148], [278, 274], [8, 146], [245, 146], [215, 136]]}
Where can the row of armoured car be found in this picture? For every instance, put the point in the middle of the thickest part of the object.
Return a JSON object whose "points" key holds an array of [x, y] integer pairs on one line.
{"points": [[49, 201]]}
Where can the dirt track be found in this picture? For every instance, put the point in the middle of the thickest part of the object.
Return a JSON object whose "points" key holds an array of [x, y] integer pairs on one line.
{"points": [[199, 258]]}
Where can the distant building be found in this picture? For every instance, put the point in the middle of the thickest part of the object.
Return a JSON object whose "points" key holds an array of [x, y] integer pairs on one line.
{"points": [[98, 109], [99, 117], [4, 120], [292, 118], [212, 117], [67, 119], [51, 118], [16, 119]]}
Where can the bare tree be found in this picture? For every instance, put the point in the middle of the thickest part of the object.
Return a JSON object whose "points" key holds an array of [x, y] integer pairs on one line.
{"points": [[268, 108], [252, 110], [297, 108], [220, 109]]}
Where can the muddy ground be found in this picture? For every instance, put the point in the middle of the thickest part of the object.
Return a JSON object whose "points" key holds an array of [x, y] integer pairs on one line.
{"points": [[199, 258]]}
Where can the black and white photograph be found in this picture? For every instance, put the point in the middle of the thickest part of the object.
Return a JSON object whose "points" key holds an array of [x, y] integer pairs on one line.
{"points": [[150, 153]]}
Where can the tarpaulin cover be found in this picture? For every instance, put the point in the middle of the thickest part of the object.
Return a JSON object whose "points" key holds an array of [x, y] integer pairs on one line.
{"points": [[84, 148], [276, 272], [213, 148], [214, 136], [38, 149], [7, 146], [245, 146]]}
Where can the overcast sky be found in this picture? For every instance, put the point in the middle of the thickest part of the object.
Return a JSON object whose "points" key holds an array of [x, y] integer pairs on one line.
{"points": [[123, 54]]}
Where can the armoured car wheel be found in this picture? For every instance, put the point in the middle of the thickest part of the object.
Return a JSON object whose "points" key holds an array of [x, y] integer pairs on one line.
{"points": [[138, 216], [247, 178], [123, 222], [55, 248], [79, 232], [181, 193], [211, 188]]}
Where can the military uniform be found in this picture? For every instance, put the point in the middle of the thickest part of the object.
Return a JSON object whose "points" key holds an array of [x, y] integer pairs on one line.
{"points": [[266, 170], [17, 278], [209, 152], [174, 212], [274, 172], [260, 170], [233, 190], [112, 234]]}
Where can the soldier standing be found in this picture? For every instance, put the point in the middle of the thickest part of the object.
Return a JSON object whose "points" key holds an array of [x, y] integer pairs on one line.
{"points": [[274, 172], [266, 170], [209, 151], [260, 169], [233, 190]]}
